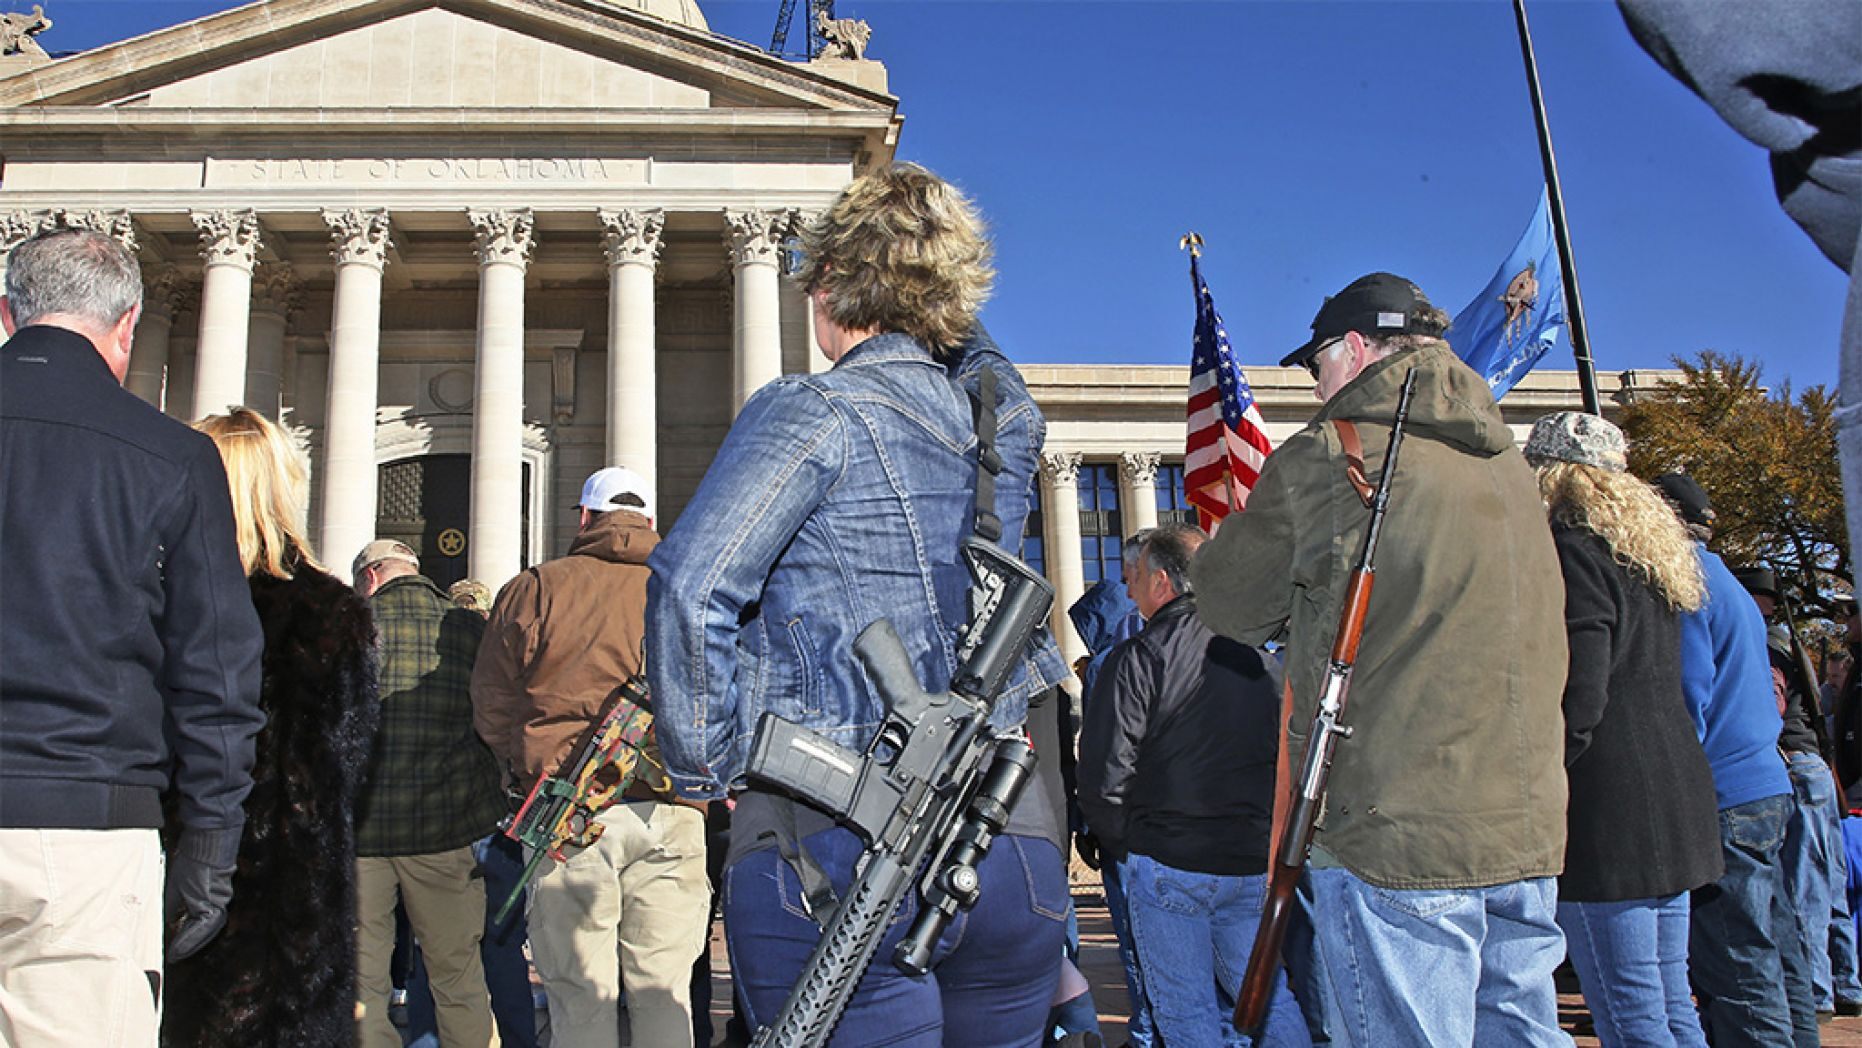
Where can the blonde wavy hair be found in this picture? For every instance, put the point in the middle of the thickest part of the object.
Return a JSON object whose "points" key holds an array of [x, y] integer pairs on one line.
{"points": [[901, 250], [1633, 519], [269, 482]]}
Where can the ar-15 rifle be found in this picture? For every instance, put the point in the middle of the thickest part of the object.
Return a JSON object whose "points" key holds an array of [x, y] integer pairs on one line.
{"points": [[1321, 739], [561, 808], [933, 784]]}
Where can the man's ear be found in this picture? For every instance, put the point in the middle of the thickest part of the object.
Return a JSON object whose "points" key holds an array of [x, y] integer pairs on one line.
{"points": [[6, 316], [119, 338]]}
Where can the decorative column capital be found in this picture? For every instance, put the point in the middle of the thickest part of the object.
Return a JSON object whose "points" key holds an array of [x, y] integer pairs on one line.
{"points": [[755, 236], [162, 290], [229, 237], [116, 224], [1139, 467], [504, 235], [16, 227], [632, 235], [1060, 468], [359, 236], [276, 289]]}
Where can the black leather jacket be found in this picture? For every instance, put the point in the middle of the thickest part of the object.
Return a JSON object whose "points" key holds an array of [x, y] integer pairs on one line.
{"points": [[129, 648], [1177, 752]]}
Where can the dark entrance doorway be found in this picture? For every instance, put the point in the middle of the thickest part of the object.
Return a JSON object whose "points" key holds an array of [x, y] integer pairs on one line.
{"points": [[426, 502]]}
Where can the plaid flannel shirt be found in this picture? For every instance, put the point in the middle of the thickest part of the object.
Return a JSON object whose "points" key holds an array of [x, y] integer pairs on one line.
{"points": [[433, 785]]}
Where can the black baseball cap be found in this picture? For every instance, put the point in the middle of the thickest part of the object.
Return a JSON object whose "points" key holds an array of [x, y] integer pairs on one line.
{"points": [[1375, 305], [1758, 581], [1689, 498]]}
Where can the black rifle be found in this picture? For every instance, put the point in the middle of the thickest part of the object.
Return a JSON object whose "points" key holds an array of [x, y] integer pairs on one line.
{"points": [[934, 784], [1321, 739]]}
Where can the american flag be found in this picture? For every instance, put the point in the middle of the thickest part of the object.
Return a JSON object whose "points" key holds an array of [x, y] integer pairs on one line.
{"points": [[1227, 438]]}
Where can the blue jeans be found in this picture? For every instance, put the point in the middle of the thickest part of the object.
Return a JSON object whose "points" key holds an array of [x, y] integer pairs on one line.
{"points": [[1194, 932], [1733, 955], [1440, 968], [1812, 851], [1631, 959], [507, 972], [1305, 970], [1138, 1032], [993, 974]]}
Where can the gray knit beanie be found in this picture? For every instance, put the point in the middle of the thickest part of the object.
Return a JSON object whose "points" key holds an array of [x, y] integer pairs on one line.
{"points": [[1580, 437]]}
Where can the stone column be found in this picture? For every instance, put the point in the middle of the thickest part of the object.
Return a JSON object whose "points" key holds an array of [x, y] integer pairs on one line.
{"points": [[148, 355], [1137, 490], [275, 296], [347, 483], [495, 545], [632, 242], [755, 241], [1060, 511], [230, 246]]}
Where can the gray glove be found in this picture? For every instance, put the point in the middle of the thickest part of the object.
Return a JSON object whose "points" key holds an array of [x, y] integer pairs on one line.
{"points": [[200, 884]]}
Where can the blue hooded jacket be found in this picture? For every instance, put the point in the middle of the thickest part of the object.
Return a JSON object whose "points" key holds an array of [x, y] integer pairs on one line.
{"points": [[1104, 617]]}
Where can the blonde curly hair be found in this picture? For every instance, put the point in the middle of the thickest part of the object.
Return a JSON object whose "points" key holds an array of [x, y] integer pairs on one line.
{"points": [[901, 250], [1633, 519]]}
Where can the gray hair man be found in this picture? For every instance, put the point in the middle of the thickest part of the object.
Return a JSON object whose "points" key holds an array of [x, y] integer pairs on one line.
{"points": [[129, 660], [1444, 827]]}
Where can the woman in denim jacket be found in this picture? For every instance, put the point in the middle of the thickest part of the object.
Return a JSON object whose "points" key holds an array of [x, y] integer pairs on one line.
{"points": [[838, 499]]}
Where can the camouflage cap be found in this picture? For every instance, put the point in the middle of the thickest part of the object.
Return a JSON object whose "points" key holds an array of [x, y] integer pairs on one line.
{"points": [[1580, 437]]}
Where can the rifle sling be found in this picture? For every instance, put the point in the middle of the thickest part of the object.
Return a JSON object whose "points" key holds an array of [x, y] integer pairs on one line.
{"points": [[988, 459], [1354, 461], [817, 893]]}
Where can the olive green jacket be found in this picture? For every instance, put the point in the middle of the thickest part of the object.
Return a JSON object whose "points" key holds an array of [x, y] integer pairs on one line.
{"points": [[1454, 776]]}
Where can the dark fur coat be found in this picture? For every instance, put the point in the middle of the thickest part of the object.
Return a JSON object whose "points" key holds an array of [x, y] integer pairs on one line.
{"points": [[282, 974]]}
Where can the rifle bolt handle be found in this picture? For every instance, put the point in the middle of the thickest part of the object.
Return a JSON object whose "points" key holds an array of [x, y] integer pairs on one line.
{"points": [[964, 881]]}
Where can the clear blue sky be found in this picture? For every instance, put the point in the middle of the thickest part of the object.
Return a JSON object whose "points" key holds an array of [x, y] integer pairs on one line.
{"points": [[1309, 143]]}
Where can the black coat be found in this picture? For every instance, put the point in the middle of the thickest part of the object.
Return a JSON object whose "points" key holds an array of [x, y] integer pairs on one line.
{"points": [[282, 974], [1643, 819], [1177, 751]]}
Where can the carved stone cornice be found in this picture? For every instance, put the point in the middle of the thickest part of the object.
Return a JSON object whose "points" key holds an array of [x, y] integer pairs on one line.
{"points": [[632, 236], [504, 235], [112, 223], [359, 236], [276, 289], [162, 290], [229, 237], [1060, 467], [755, 236], [1139, 468], [17, 227]]}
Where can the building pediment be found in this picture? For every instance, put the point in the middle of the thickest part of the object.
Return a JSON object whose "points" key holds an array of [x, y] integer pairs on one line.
{"points": [[432, 54]]}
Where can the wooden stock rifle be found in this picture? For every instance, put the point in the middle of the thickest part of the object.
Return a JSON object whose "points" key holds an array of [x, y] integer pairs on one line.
{"points": [[1321, 739]]}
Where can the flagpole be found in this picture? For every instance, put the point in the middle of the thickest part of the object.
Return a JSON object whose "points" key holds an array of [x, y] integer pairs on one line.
{"points": [[1574, 303]]}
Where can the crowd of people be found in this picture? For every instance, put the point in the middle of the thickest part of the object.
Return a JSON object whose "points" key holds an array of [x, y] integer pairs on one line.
{"points": [[225, 809]]}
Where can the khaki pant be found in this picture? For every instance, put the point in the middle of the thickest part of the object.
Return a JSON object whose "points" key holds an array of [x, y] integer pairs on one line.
{"points": [[445, 898], [80, 938], [640, 888]]}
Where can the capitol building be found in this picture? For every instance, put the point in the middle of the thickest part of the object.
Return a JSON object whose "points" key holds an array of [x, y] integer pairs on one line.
{"points": [[473, 250]]}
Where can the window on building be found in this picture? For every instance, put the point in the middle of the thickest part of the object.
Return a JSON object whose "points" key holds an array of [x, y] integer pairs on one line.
{"points": [[1034, 540], [1172, 507], [1101, 525]]}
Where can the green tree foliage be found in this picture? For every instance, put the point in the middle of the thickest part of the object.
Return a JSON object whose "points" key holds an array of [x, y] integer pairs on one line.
{"points": [[1768, 462]]}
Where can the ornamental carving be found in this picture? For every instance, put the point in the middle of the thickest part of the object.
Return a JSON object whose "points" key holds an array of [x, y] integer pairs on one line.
{"points": [[359, 236], [162, 290], [276, 289], [1139, 468], [228, 237], [632, 236], [16, 227], [503, 235], [755, 236], [115, 224], [1060, 468]]}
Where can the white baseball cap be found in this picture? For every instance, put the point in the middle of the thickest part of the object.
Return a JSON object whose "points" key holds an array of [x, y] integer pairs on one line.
{"points": [[603, 485]]}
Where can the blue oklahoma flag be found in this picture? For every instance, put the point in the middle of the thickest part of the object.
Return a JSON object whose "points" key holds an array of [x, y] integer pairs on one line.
{"points": [[1518, 315]]}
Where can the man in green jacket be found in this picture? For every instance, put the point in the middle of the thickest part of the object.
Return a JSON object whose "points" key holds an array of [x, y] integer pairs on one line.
{"points": [[433, 790], [1435, 862]]}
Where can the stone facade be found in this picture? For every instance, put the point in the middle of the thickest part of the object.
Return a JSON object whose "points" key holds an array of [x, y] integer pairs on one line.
{"points": [[472, 250]]}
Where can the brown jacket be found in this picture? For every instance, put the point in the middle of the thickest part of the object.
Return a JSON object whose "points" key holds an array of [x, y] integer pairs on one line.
{"points": [[562, 636], [1454, 777]]}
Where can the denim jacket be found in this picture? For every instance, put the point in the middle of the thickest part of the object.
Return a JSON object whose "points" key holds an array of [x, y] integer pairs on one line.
{"points": [[836, 499], [1020, 432]]}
